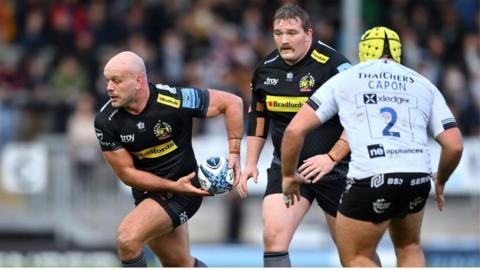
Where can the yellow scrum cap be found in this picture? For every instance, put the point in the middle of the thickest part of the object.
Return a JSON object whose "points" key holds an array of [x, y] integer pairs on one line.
{"points": [[377, 42]]}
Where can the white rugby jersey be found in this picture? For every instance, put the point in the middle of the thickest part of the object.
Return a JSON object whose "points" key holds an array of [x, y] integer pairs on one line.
{"points": [[386, 110]]}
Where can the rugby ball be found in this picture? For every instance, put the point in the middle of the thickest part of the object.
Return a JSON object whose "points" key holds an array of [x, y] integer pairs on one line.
{"points": [[215, 176]]}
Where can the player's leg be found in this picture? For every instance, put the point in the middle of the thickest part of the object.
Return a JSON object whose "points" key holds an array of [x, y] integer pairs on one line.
{"points": [[145, 222], [173, 249], [328, 192], [405, 228], [279, 222], [357, 240], [405, 235], [279, 225], [331, 220]]}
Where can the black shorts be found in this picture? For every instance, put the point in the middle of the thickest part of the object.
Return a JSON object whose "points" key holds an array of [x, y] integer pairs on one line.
{"points": [[385, 196], [180, 207], [327, 191]]}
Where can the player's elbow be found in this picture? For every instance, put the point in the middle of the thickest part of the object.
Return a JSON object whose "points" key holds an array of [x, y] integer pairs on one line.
{"points": [[451, 141], [125, 176], [291, 134], [234, 109], [457, 148], [236, 101]]}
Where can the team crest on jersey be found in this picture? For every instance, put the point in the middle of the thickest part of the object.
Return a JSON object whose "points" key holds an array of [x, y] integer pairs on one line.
{"points": [[141, 126], [307, 83], [162, 130], [289, 77]]}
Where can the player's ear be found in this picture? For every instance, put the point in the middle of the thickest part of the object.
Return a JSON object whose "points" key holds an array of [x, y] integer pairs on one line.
{"points": [[139, 80], [309, 33]]}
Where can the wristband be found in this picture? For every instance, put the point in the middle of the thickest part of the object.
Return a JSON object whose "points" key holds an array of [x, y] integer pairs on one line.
{"points": [[339, 150], [234, 146], [328, 154]]}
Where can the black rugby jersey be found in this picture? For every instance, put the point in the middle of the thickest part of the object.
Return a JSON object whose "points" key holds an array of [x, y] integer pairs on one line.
{"points": [[279, 90], [160, 138]]}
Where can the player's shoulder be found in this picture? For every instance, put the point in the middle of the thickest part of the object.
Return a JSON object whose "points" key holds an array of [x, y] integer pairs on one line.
{"points": [[106, 113], [166, 94], [164, 89], [327, 55], [180, 97], [271, 60]]}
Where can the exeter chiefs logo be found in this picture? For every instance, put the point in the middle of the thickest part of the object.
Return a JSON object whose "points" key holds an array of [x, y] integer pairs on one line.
{"points": [[306, 83], [162, 130]]}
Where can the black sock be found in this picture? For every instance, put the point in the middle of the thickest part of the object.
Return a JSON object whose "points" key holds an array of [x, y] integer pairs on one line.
{"points": [[135, 262], [376, 259], [276, 259], [199, 263]]}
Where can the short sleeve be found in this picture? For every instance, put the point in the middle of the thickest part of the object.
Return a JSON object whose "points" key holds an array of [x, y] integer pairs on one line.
{"points": [[323, 102], [195, 101], [441, 117], [105, 136]]}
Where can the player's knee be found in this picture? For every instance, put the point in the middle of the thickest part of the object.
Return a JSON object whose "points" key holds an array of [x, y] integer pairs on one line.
{"points": [[127, 244], [410, 256], [407, 242], [358, 261], [274, 239]]}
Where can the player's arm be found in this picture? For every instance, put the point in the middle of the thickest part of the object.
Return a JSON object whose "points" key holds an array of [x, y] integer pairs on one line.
{"points": [[444, 128], [254, 148], [257, 131], [314, 168], [122, 164], [232, 107], [451, 143], [302, 123]]}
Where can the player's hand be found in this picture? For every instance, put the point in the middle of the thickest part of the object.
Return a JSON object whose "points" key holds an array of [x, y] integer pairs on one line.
{"points": [[234, 163], [251, 171], [291, 188], [316, 167], [184, 185], [439, 197]]}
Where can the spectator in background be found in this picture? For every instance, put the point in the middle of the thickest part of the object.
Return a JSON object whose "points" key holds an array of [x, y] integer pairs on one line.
{"points": [[68, 82], [85, 53], [33, 37], [8, 28], [83, 143], [56, 28], [171, 54]]}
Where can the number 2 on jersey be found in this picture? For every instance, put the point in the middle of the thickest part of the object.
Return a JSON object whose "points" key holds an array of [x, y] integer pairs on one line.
{"points": [[393, 119]]}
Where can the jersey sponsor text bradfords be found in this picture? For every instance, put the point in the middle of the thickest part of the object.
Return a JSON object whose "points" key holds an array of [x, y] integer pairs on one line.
{"points": [[285, 103], [167, 100], [156, 151]]}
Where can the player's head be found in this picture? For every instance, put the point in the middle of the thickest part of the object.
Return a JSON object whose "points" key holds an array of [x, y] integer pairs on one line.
{"points": [[292, 32], [125, 74], [379, 42]]}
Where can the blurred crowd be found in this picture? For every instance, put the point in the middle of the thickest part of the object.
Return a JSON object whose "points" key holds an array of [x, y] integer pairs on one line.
{"points": [[52, 52]]}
